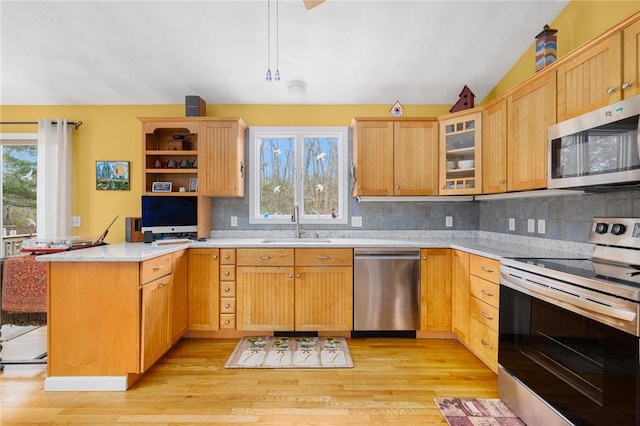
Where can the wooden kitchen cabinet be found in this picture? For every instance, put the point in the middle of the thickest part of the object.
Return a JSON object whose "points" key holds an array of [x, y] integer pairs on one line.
{"points": [[600, 73], [484, 297], [204, 286], [531, 109], [221, 156], [395, 156], [265, 289], [460, 295], [323, 289], [435, 290], [494, 147], [461, 152], [179, 295], [227, 288], [156, 327]]}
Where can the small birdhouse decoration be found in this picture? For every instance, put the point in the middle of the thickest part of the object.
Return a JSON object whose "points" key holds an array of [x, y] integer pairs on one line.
{"points": [[396, 110], [546, 47], [465, 101]]}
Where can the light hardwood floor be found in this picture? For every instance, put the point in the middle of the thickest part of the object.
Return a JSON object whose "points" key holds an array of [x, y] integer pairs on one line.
{"points": [[393, 381]]}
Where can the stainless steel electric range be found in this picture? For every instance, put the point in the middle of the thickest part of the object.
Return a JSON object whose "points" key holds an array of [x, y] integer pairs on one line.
{"points": [[569, 343]]}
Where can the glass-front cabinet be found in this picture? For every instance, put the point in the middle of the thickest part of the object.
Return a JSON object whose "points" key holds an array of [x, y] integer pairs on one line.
{"points": [[461, 152]]}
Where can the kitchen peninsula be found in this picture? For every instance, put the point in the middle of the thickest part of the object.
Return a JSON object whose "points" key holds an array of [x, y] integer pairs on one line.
{"points": [[114, 310]]}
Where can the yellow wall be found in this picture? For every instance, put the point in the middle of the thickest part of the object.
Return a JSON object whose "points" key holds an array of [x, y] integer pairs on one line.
{"points": [[579, 22], [113, 133]]}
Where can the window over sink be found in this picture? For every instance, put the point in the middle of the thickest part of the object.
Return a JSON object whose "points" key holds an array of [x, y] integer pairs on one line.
{"points": [[298, 165]]}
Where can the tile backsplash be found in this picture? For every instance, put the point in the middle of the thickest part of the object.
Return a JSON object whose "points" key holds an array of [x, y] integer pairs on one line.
{"points": [[565, 217]]}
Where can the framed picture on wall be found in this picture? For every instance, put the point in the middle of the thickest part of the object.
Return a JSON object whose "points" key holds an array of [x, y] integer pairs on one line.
{"points": [[112, 175], [161, 187]]}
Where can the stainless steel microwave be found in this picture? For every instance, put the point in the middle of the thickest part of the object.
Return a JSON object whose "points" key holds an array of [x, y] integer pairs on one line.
{"points": [[599, 148]]}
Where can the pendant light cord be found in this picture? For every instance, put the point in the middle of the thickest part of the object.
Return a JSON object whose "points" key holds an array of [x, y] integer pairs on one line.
{"points": [[268, 40]]}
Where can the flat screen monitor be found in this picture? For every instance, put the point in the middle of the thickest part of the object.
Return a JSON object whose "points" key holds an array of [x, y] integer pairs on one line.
{"points": [[169, 214]]}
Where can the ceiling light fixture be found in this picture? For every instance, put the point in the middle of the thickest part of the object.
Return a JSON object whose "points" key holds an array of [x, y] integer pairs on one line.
{"points": [[276, 75], [297, 89]]}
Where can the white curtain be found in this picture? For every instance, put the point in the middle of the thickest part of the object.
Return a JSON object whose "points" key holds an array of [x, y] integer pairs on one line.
{"points": [[54, 179]]}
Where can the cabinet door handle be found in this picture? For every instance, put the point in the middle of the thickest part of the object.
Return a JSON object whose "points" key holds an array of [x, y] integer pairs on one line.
{"points": [[297, 275], [610, 90], [626, 85], [324, 257], [488, 293], [264, 257], [484, 268], [242, 169], [162, 283], [501, 181], [487, 316], [214, 256], [291, 276], [486, 345]]}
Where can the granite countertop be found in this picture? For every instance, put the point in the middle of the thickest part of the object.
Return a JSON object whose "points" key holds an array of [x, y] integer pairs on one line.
{"points": [[495, 248]]}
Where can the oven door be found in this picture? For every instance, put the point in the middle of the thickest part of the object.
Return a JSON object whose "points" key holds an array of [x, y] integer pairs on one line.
{"points": [[585, 370]]}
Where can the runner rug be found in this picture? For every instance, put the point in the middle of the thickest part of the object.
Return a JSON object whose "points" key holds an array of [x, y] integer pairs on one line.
{"points": [[290, 352], [473, 412]]}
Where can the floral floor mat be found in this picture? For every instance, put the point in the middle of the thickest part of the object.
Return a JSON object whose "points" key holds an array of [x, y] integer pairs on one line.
{"points": [[477, 412], [290, 352]]}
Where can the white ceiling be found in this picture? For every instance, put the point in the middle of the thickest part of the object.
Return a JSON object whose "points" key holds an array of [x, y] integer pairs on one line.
{"points": [[347, 52]]}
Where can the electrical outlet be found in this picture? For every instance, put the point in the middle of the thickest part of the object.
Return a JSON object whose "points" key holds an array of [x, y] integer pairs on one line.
{"points": [[356, 221], [234, 221], [531, 225], [541, 226], [512, 224], [75, 221], [448, 221]]}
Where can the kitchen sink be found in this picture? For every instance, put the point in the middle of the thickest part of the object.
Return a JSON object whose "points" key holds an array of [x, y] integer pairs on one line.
{"points": [[295, 240]]}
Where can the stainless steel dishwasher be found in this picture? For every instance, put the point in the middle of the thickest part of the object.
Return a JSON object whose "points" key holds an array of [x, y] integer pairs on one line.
{"points": [[386, 289]]}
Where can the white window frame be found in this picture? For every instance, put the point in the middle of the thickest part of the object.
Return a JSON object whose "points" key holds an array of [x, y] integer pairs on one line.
{"points": [[299, 134]]}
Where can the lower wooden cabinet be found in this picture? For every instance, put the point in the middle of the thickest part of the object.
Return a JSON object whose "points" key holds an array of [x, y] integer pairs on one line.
{"points": [[435, 290], [324, 289], [204, 279], [460, 295], [156, 331], [179, 295], [265, 298]]}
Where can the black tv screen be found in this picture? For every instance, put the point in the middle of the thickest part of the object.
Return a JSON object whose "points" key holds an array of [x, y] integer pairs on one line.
{"points": [[169, 214]]}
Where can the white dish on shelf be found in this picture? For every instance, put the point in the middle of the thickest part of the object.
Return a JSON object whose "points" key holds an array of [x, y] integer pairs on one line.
{"points": [[466, 164], [451, 165]]}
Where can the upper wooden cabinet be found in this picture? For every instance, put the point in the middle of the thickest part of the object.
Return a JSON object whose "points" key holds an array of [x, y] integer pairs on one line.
{"points": [[395, 156], [531, 109], [221, 151], [461, 152], [494, 147], [210, 149], [601, 73]]}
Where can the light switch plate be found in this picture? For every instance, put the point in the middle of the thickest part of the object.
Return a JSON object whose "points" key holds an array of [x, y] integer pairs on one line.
{"points": [[448, 221], [512, 224], [541, 226], [531, 225], [234, 221], [356, 221], [75, 221]]}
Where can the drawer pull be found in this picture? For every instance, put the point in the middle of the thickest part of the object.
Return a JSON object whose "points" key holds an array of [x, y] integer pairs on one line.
{"points": [[226, 256], [157, 268], [226, 273], [487, 316], [486, 345], [227, 290], [324, 257], [484, 268], [227, 306], [264, 257], [486, 293], [227, 322]]}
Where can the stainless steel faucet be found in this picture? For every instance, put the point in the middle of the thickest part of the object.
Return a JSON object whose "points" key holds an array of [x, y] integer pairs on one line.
{"points": [[296, 218]]}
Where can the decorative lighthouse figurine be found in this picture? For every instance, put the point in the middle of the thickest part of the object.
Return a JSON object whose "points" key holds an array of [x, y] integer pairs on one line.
{"points": [[546, 47]]}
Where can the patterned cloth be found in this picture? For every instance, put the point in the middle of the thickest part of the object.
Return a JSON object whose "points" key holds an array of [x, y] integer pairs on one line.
{"points": [[24, 291]]}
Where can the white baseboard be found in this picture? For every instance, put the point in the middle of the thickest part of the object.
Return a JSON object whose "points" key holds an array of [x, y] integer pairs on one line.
{"points": [[85, 383]]}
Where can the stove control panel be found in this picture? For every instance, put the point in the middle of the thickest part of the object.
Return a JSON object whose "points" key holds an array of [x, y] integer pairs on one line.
{"points": [[621, 232]]}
